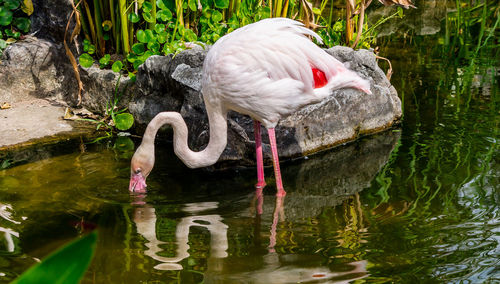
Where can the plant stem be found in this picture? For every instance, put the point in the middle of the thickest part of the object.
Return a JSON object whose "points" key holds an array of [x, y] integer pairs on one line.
{"points": [[124, 25]]}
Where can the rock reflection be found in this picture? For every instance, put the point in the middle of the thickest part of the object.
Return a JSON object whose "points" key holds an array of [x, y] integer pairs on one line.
{"points": [[145, 220]]}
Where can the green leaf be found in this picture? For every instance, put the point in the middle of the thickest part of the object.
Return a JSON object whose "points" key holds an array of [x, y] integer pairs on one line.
{"points": [[66, 265], [131, 57], [141, 36], [117, 66], [3, 44], [86, 60], [216, 16], [189, 35], [138, 48], [164, 15], [154, 46], [104, 60], [22, 23], [137, 63], [147, 7], [159, 28], [11, 4], [192, 5], [132, 77], [124, 121], [107, 25], [5, 16], [133, 17], [161, 4], [221, 4], [148, 18]]}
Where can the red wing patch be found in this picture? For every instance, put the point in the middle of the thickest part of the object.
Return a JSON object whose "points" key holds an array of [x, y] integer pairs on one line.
{"points": [[319, 78]]}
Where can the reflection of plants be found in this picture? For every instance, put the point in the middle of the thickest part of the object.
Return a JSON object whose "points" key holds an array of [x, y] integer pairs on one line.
{"points": [[13, 20]]}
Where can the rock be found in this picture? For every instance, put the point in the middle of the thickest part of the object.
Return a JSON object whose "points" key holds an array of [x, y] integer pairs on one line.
{"points": [[35, 68], [49, 19], [173, 84]]}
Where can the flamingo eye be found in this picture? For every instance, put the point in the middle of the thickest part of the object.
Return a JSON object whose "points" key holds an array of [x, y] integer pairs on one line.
{"points": [[138, 171]]}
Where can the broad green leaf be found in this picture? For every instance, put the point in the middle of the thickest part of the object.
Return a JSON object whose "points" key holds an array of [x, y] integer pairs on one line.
{"points": [[192, 5], [3, 44], [131, 76], [86, 60], [133, 17], [117, 66], [66, 265], [161, 4], [162, 37], [216, 16], [189, 35], [317, 11], [164, 15], [5, 16], [27, 7], [144, 56], [148, 18], [104, 60], [221, 4], [131, 57], [154, 46], [150, 36], [138, 48], [159, 28], [137, 63], [11, 4], [107, 25], [141, 36], [147, 7], [22, 23], [124, 121]]}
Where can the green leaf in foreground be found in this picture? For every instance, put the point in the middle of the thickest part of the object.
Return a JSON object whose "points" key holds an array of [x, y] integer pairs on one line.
{"points": [[117, 66], [66, 265], [124, 121], [86, 60]]}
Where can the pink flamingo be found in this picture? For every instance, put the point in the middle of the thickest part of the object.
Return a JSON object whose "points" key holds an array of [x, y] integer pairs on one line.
{"points": [[267, 70]]}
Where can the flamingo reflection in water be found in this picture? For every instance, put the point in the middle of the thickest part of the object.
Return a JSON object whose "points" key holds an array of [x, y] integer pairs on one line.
{"points": [[276, 266]]}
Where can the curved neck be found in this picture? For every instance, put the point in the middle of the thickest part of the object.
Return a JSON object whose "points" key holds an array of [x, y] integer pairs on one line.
{"points": [[206, 157]]}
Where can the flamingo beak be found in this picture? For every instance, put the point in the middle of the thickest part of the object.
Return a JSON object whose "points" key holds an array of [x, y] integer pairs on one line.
{"points": [[137, 183]]}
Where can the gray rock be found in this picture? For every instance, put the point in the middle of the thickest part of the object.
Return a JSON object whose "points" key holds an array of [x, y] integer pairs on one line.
{"points": [[50, 17], [35, 68], [173, 84]]}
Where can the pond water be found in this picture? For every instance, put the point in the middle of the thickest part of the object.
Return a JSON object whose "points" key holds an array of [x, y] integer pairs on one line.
{"points": [[419, 203]]}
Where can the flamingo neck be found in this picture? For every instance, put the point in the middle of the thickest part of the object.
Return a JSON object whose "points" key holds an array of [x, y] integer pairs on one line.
{"points": [[206, 157]]}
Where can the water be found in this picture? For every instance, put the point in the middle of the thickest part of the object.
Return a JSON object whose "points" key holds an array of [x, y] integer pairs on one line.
{"points": [[419, 203]]}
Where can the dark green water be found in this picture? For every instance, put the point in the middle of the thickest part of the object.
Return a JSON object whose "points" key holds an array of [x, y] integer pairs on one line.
{"points": [[415, 204]]}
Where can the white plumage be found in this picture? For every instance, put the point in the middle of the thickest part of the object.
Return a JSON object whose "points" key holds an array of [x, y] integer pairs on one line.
{"points": [[264, 70]]}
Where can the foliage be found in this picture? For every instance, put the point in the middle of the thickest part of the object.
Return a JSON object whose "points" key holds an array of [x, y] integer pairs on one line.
{"points": [[66, 265], [139, 29], [14, 20], [114, 118]]}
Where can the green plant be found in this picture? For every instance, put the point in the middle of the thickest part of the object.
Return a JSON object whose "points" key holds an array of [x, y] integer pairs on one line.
{"points": [[114, 119], [66, 265], [14, 20]]}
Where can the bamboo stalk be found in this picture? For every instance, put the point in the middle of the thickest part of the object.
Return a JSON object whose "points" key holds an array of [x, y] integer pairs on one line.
{"points": [[153, 14], [98, 25], [91, 22], [349, 25], [122, 6]]}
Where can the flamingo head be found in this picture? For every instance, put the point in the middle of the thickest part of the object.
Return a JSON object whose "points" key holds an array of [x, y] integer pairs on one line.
{"points": [[141, 165]]}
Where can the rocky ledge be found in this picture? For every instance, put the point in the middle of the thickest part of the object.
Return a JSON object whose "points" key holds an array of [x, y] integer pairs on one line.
{"points": [[167, 83]]}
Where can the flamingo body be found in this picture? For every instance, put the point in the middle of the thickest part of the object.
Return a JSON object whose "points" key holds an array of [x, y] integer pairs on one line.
{"points": [[266, 70]]}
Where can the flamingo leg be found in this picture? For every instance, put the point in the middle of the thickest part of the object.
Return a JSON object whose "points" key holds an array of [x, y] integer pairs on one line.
{"points": [[261, 183], [276, 163]]}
